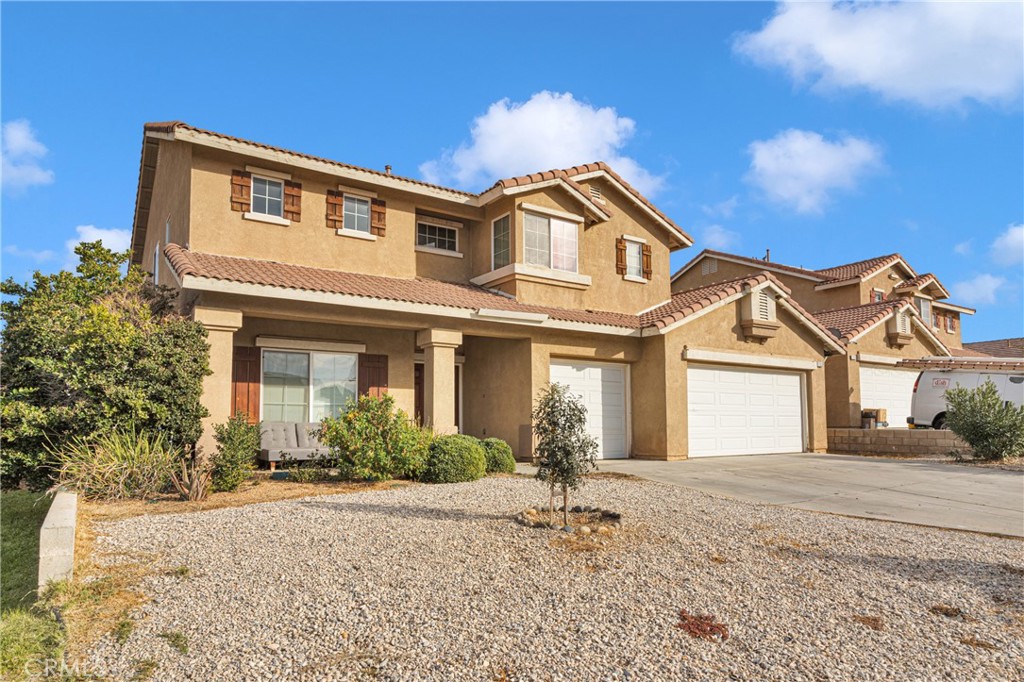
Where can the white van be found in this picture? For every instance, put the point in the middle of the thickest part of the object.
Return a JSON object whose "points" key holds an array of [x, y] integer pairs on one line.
{"points": [[928, 406]]}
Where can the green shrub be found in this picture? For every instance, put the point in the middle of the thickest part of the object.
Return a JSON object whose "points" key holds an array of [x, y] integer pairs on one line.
{"points": [[119, 464], [994, 428], [499, 456], [454, 459], [307, 473], [373, 441], [238, 443]]}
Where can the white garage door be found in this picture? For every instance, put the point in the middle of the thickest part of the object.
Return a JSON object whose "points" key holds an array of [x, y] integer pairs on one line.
{"points": [[734, 411], [888, 388], [603, 390]]}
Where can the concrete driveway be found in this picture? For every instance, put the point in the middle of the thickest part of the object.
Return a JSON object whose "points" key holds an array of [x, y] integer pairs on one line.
{"points": [[912, 491]]}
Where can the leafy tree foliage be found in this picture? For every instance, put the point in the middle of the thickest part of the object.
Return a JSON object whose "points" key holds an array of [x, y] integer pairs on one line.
{"points": [[90, 351], [994, 428], [565, 449], [238, 444]]}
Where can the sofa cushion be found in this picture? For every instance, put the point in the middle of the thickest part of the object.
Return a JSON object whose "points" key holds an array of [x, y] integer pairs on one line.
{"points": [[305, 435], [278, 436]]}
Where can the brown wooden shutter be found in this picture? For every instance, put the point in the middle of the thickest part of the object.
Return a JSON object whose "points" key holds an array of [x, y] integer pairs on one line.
{"points": [[241, 191], [647, 267], [620, 256], [293, 201], [245, 382], [373, 374], [335, 209], [378, 216]]}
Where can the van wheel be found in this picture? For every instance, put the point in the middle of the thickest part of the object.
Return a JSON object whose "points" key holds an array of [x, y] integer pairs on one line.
{"points": [[940, 423]]}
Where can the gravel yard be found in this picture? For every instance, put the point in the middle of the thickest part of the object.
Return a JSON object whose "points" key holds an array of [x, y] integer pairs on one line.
{"points": [[438, 583]]}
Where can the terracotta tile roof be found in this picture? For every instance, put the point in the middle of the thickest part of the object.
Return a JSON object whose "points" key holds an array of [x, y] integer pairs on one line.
{"points": [[860, 269], [846, 323], [543, 176], [1000, 348], [968, 353], [418, 290], [171, 126], [984, 364], [686, 303]]}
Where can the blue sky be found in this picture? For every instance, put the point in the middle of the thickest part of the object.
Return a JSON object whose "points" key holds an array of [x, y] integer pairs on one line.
{"points": [[754, 126]]}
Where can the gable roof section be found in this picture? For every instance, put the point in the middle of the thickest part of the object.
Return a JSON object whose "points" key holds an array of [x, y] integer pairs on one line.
{"points": [[849, 324], [747, 260], [686, 304], [922, 282], [417, 291], [862, 269], [544, 178], [1000, 348]]}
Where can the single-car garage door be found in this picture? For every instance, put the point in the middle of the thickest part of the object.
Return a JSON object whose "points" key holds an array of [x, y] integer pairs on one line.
{"points": [[888, 388], [602, 386], [740, 411]]}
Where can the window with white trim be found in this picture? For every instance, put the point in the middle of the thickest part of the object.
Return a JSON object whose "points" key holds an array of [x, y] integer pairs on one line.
{"points": [[877, 295], [267, 196], [634, 259], [437, 236], [501, 242], [924, 306], [306, 387], [550, 242], [357, 213]]}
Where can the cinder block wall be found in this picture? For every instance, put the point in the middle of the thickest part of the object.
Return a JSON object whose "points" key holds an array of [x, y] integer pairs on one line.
{"points": [[903, 442]]}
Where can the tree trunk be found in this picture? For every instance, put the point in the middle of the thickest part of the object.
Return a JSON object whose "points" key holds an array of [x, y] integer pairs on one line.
{"points": [[551, 507], [565, 505]]}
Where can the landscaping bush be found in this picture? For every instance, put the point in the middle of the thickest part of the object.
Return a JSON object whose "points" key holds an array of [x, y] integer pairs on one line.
{"points": [[992, 427], [91, 351], [373, 441], [238, 443], [455, 459], [499, 456], [120, 464], [565, 450]]}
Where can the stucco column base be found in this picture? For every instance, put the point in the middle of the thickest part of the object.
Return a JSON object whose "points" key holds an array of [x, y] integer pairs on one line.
{"points": [[439, 377], [221, 325]]}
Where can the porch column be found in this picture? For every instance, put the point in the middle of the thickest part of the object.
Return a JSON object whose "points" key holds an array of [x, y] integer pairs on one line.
{"points": [[439, 377], [221, 325]]}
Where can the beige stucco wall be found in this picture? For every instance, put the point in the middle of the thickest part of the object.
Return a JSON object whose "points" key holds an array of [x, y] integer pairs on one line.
{"points": [[802, 289], [170, 202], [498, 389]]}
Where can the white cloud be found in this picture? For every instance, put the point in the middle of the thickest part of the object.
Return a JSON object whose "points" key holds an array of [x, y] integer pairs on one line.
{"points": [[963, 248], [723, 209], [980, 290], [113, 239], [718, 238], [935, 54], [800, 168], [29, 254], [550, 130], [22, 153], [1008, 248]]}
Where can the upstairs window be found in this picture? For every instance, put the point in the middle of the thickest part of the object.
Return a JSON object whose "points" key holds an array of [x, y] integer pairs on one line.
{"points": [[501, 242], [924, 306], [877, 295], [357, 213], [267, 196], [550, 242], [437, 236], [634, 259]]}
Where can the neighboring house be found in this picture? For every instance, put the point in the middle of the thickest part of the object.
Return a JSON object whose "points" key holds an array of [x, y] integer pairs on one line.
{"points": [[880, 309], [999, 348], [319, 281]]}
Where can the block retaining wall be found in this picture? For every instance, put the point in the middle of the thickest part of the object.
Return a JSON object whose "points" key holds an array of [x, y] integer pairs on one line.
{"points": [[902, 442]]}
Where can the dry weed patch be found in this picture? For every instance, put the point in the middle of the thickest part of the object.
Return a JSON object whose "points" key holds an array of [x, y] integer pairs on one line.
{"points": [[702, 626], [873, 622]]}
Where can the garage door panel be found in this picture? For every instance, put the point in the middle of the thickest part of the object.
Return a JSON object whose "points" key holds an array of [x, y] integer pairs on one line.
{"points": [[888, 388], [602, 390], [738, 411]]}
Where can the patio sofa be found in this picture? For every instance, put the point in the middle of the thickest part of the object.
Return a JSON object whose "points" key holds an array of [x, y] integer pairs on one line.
{"points": [[289, 440]]}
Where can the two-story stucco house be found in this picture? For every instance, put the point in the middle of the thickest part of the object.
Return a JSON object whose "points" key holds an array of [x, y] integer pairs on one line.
{"points": [[880, 309], [318, 281]]}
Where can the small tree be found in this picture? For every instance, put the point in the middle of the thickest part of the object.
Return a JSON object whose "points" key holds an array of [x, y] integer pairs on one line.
{"points": [[565, 450], [994, 428]]}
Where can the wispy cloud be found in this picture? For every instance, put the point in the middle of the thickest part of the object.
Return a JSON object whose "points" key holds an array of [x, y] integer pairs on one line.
{"points": [[718, 238], [934, 54], [22, 157], [801, 169], [963, 248], [723, 209], [29, 254], [981, 290], [1008, 248], [549, 130], [113, 239]]}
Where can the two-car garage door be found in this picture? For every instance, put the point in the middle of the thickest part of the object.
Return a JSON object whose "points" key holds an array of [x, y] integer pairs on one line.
{"points": [[741, 411]]}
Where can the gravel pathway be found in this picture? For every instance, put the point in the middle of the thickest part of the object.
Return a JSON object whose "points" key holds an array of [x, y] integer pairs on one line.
{"points": [[437, 583]]}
